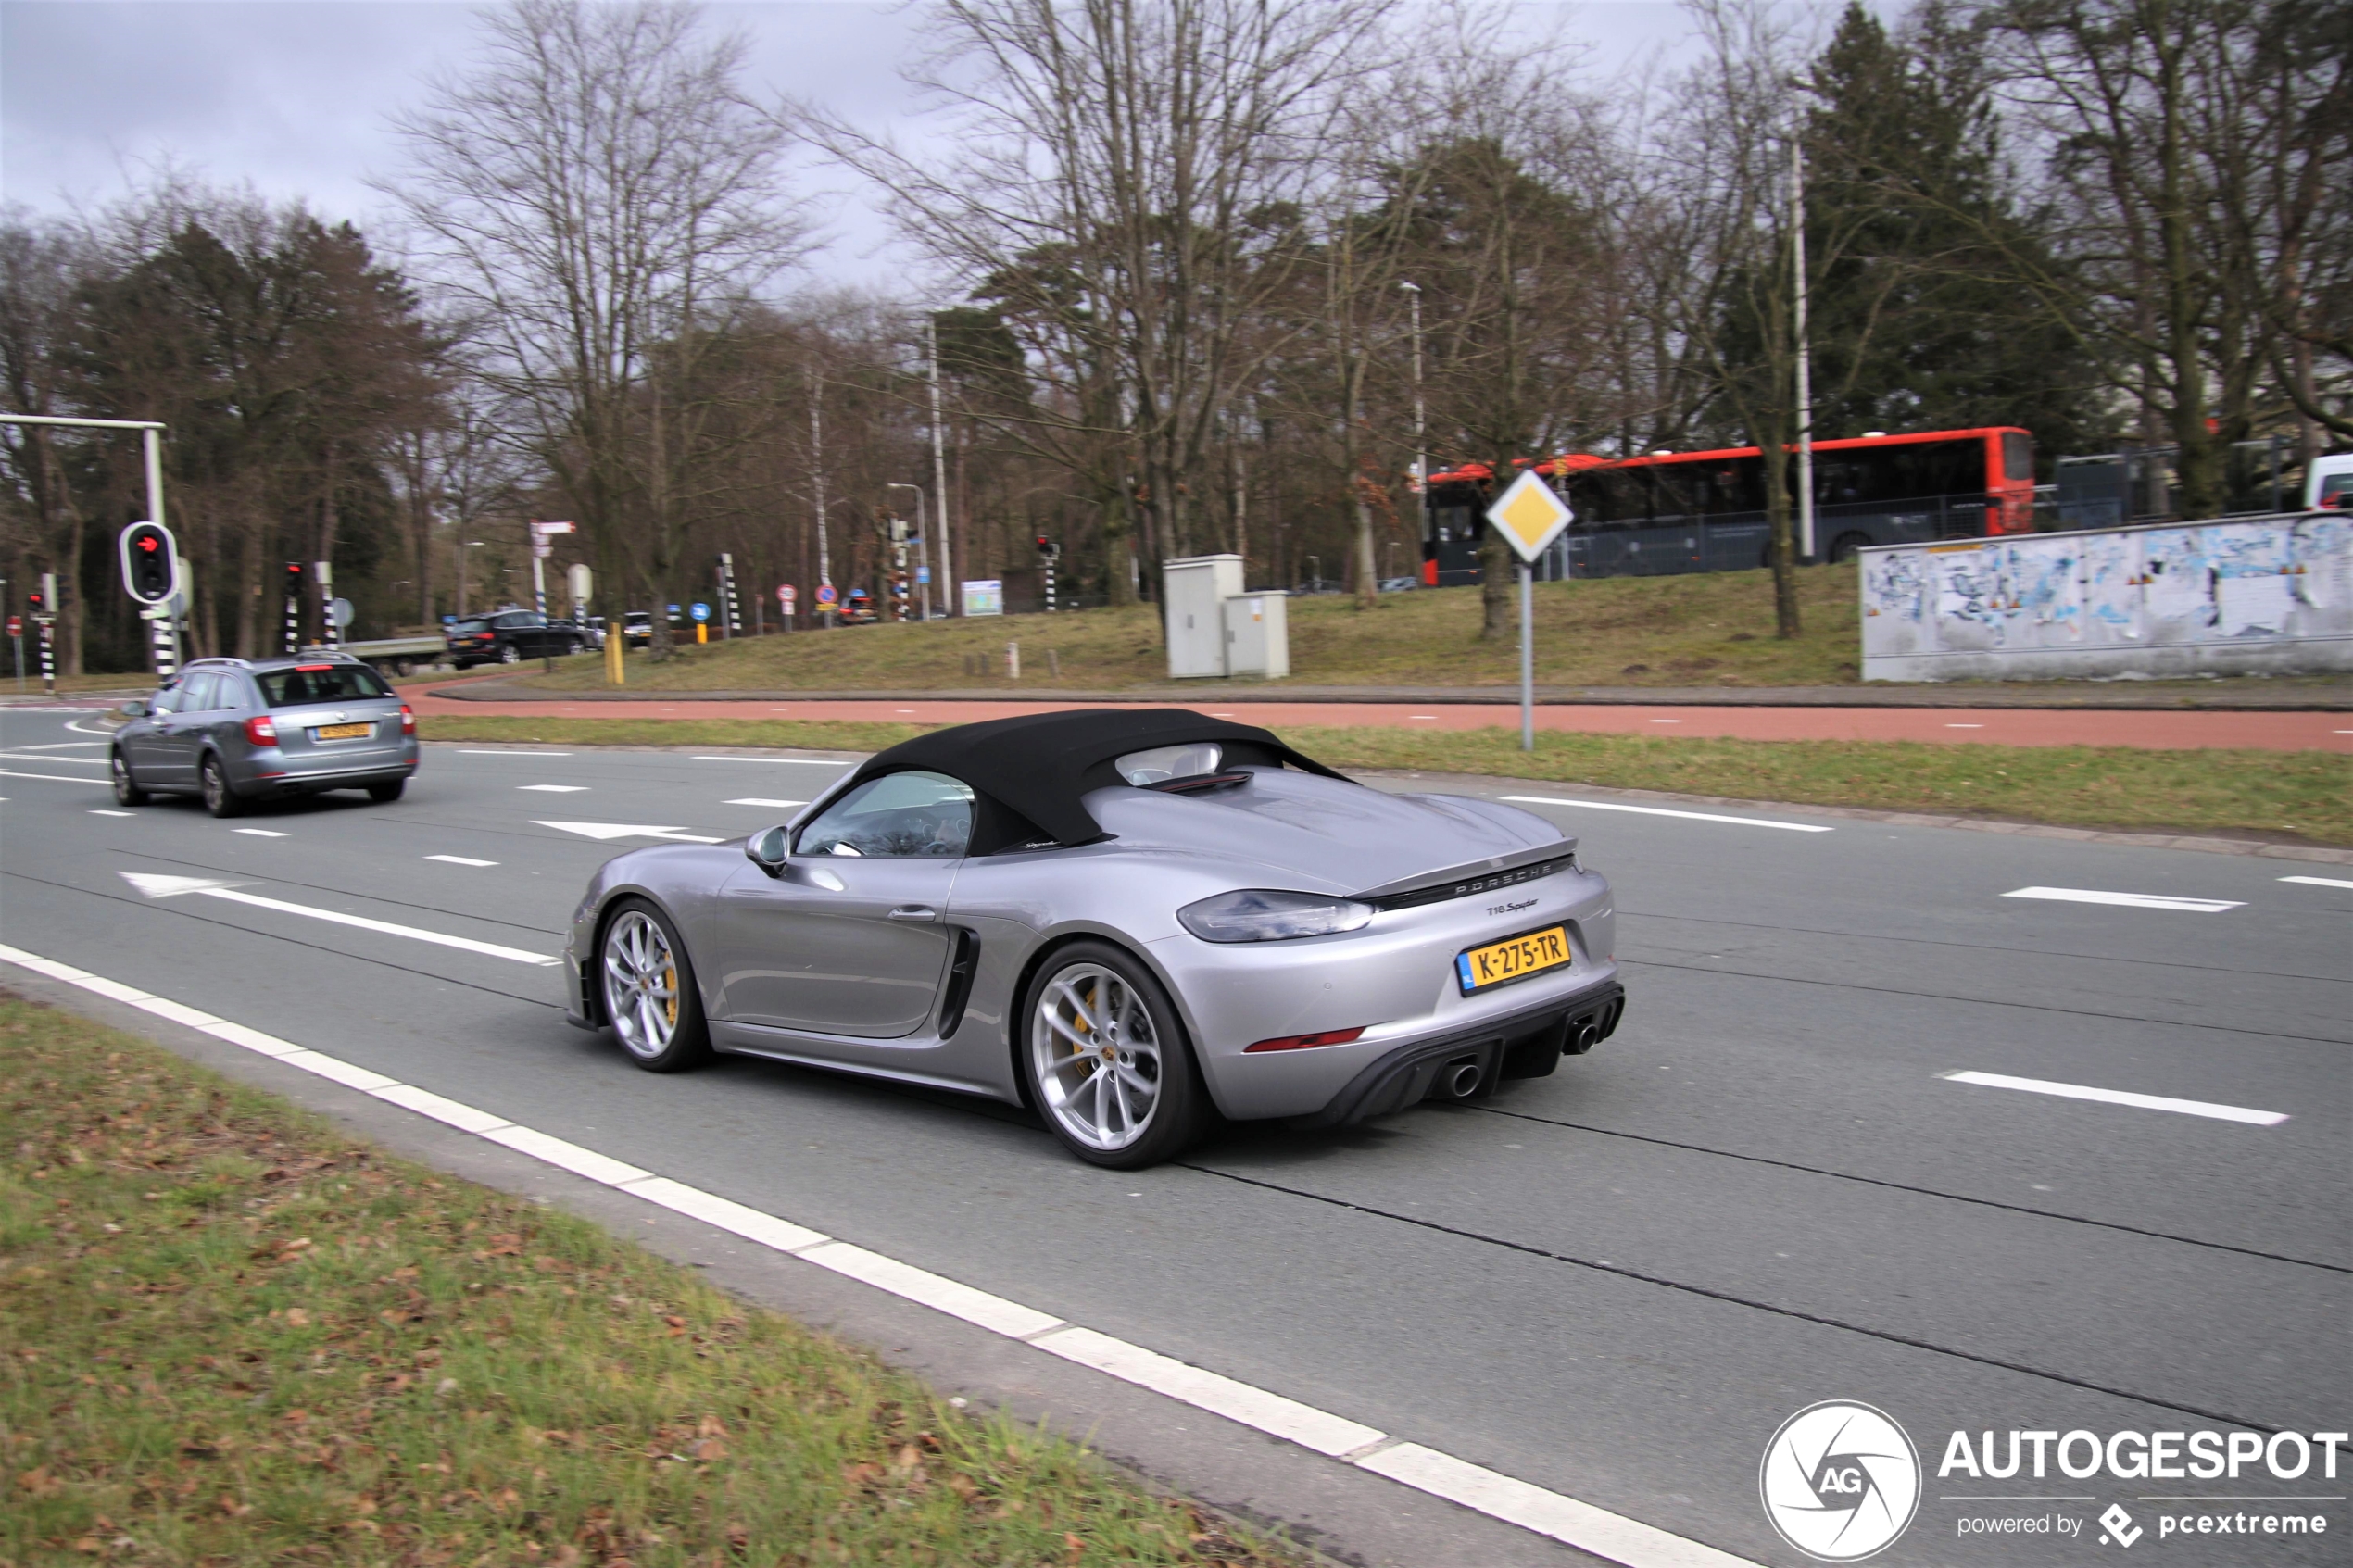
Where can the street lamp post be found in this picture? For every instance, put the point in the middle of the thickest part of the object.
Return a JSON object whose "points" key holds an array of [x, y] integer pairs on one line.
{"points": [[922, 545], [939, 462], [1421, 424]]}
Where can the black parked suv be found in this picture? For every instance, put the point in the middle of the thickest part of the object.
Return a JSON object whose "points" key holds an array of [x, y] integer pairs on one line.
{"points": [[509, 637]]}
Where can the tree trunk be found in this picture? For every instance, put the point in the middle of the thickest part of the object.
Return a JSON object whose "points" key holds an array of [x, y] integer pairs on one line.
{"points": [[1495, 561], [1779, 520]]}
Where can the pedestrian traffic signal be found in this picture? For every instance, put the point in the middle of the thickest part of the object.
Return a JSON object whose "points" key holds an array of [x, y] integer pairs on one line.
{"points": [[150, 563], [294, 577]]}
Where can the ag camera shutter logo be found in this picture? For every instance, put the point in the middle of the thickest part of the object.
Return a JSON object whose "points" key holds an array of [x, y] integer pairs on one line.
{"points": [[1840, 1481]]}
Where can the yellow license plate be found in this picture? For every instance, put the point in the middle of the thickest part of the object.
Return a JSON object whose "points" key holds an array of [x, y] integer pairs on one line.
{"points": [[1512, 960], [342, 732]]}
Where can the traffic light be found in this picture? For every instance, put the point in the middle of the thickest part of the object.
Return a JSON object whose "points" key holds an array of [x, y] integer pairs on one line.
{"points": [[1047, 547], [294, 577], [37, 602], [150, 563]]}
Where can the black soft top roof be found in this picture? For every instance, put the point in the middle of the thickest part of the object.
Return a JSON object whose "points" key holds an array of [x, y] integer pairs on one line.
{"points": [[1041, 765]]}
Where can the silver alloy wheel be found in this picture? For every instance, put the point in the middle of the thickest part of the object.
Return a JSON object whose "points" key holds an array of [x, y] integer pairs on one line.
{"points": [[1097, 1058], [641, 985], [509, 654]]}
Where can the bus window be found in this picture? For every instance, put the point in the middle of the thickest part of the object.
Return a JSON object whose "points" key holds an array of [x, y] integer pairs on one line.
{"points": [[2017, 457], [1453, 523]]}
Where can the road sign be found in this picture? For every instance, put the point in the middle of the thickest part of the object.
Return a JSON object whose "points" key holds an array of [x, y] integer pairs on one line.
{"points": [[548, 528], [1529, 515], [15, 626], [340, 613], [786, 594], [828, 594], [581, 580], [150, 563], [700, 610]]}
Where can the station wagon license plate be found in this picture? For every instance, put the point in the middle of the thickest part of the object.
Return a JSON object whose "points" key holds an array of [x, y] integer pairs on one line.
{"points": [[341, 732], [1512, 958]]}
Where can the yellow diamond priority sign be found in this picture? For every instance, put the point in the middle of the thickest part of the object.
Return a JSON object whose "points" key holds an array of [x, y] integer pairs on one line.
{"points": [[1529, 515]]}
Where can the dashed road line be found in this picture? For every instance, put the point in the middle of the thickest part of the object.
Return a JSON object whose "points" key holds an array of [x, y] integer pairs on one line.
{"points": [[260, 833], [2319, 881], [1663, 811], [786, 761], [2129, 900], [756, 800], [2120, 1097], [556, 789], [459, 860], [1538, 1509], [463, 751], [53, 778]]}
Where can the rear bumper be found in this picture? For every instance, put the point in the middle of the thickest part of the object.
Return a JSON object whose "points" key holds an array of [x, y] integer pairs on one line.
{"points": [[285, 775], [1521, 1045]]}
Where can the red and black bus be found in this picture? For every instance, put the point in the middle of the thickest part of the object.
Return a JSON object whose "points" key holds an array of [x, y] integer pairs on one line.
{"points": [[1704, 511]]}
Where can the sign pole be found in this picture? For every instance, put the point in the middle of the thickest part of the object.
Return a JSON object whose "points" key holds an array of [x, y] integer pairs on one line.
{"points": [[1527, 657]]}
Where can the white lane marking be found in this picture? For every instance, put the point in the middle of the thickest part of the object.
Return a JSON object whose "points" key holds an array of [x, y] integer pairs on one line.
{"points": [[601, 831], [1663, 811], [77, 727], [2128, 901], [1562, 1518], [464, 752], [788, 762], [101, 813], [53, 778], [2319, 881], [556, 789], [61, 745], [459, 860], [2120, 1097], [260, 833], [35, 754], [756, 800], [157, 885]]}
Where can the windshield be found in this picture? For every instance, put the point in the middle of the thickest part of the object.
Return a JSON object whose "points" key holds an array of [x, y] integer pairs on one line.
{"points": [[319, 683]]}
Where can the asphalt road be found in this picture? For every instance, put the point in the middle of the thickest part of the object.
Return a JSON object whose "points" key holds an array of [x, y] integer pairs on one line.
{"points": [[1616, 1283]]}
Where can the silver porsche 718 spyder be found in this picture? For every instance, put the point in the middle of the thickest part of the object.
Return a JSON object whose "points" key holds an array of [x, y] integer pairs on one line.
{"points": [[1132, 920]]}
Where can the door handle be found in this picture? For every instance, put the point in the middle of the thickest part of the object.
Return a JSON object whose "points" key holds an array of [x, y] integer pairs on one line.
{"points": [[912, 912]]}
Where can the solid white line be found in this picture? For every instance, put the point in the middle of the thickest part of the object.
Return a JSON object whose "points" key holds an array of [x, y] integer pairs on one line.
{"points": [[53, 778], [1565, 1518], [463, 752], [61, 745], [259, 832], [556, 789], [460, 861], [30, 755], [101, 813], [2120, 1097], [1663, 811], [755, 801], [2317, 880], [2128, 901], [1590, 1529], [1271, 1413]]}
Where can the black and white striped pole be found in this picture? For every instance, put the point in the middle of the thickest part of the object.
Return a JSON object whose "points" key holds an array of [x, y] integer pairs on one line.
{"points": [[328, 636], [293, 606], [735, 622]]}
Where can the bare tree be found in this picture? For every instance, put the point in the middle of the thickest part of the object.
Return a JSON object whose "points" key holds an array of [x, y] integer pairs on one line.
{"points": [[1130, 178], [601, 199]]}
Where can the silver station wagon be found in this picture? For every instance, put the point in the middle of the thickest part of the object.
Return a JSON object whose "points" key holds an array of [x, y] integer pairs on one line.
{"points": [[235, 730]]}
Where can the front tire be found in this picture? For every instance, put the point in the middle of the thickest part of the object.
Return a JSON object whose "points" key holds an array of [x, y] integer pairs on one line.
{"points": [[219, 798], [126, 788], [1106, 1061], [649, 990]]}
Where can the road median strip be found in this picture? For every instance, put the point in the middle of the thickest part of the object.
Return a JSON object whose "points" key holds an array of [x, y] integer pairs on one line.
{"points": [[1573, 1523]]}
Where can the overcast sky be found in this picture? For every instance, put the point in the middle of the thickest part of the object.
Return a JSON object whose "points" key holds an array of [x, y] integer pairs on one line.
{"points": [[291, 96]]}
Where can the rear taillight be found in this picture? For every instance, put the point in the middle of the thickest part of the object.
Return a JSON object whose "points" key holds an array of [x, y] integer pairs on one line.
{"points": [[408, 721], [261, 729]]}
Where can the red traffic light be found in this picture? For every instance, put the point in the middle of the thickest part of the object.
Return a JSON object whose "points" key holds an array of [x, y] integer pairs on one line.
{"points": [[146, 541], [150, 565]]}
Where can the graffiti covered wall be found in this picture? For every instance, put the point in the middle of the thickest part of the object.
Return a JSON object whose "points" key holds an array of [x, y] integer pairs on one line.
{"points": [[2267, 594]]}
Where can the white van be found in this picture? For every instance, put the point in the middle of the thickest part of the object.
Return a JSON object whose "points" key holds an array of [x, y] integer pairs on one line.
{"points": [[2329, 483]]}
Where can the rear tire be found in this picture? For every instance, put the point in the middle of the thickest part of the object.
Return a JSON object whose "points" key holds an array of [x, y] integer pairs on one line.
{"points": [[213, 781], [1843, 548], [385, 794], [647, 983], [126, 788], [509, 655], [1095, 1009]]}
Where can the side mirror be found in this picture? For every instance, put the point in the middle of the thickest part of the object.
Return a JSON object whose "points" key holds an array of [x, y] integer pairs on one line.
{"points": [[769, 850], [133, 710]]}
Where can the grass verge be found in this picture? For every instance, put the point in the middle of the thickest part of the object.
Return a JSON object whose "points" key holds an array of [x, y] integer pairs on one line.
{"points": [[2277, 794], [235, 1334]]}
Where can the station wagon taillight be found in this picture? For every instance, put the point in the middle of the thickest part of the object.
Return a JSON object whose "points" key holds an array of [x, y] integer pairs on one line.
{"points": [[408, 721], [261, 729]]}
